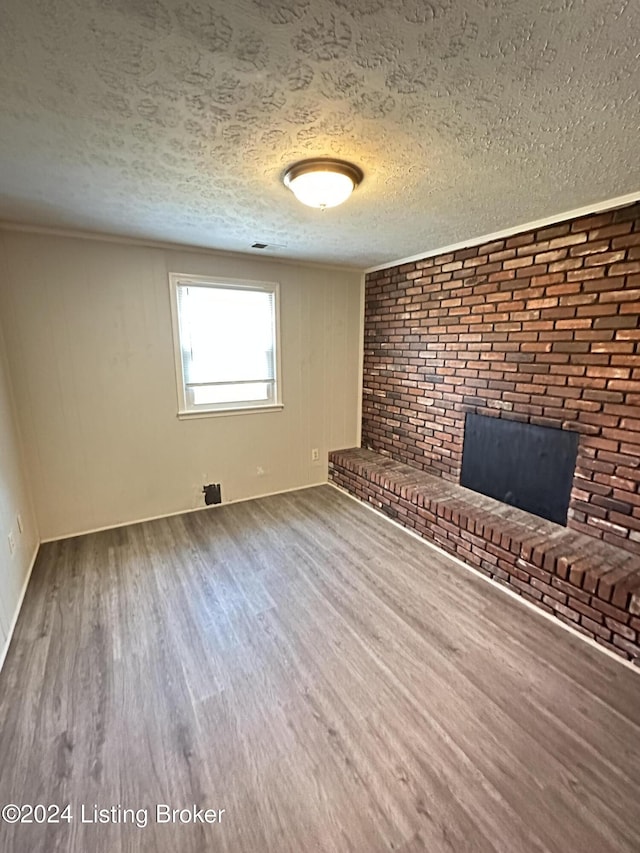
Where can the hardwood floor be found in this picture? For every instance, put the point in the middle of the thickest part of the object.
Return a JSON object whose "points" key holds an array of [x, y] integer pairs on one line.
{"points": [[330, 682]]}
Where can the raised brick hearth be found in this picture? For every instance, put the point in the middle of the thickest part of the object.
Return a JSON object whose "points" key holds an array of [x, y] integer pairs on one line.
{"points": [[541, 327], [589, 584]]}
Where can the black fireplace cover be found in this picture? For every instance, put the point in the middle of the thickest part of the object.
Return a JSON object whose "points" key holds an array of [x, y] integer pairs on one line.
{"points": [[521, 464]]}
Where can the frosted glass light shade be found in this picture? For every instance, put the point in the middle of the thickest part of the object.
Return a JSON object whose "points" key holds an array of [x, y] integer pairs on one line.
{"points": [[322, 183]]}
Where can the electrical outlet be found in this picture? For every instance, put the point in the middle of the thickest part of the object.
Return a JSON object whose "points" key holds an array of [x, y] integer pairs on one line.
{"points": [[12, 543], [19, 523], [315, 455], [260, 471]]}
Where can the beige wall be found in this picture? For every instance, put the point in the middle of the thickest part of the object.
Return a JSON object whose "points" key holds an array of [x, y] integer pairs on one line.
{"points": [[14, 499], [90, 348]]}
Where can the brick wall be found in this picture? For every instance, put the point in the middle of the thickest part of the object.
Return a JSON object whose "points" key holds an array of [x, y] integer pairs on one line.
{"points": [[541, 327]]}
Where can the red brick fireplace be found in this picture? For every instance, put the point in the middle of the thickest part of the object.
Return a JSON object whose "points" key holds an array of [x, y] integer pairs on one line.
{"points": [[543, 328]]}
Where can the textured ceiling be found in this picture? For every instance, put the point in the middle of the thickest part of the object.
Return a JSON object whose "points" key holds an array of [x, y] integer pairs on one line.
{"points": [[174, 119]]}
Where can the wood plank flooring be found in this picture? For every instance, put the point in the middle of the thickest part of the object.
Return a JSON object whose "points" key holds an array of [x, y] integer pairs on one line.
{"points": [[329, 681]]}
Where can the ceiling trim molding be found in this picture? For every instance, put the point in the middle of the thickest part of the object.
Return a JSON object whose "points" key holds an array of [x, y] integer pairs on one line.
{"points": [[609, 204], [141, 242]]}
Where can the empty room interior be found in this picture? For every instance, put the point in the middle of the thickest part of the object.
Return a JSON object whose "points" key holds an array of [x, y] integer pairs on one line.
{"points": [[319, 426]]}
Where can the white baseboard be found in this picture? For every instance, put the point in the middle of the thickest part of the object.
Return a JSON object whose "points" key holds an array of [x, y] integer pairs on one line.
{"points": [[493, 583], [4, 651], [180, 512], [14, 621]]}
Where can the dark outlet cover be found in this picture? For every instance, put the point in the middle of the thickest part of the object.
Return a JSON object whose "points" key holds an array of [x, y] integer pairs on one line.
{"points": [[212, 494]]}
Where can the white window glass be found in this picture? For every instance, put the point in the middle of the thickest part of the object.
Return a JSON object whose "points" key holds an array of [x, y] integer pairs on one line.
{"points": [[227, 344]]}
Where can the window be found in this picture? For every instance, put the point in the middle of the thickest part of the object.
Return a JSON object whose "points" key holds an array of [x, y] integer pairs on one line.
{"points": [[226, 344]]}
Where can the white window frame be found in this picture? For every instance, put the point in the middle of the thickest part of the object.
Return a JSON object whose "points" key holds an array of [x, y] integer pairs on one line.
{"points": [[248, 407]]}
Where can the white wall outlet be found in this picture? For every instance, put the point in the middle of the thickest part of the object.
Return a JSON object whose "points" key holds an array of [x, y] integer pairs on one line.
{"points": [[19, 523], [315, 455], [260, 471], [12, 543]]}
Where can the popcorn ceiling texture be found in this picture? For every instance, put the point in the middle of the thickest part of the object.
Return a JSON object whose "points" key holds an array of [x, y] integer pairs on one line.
{"points": [[175, 120]]}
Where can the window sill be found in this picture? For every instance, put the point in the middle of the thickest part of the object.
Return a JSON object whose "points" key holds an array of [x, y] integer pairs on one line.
{"points": [[213, 413]]}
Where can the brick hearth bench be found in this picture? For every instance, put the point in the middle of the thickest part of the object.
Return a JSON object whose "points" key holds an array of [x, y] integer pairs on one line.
{"points": [[592, 586]]}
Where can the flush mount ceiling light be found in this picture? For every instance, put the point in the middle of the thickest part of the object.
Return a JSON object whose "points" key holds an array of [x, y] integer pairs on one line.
{"points": [[323, 182]]}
